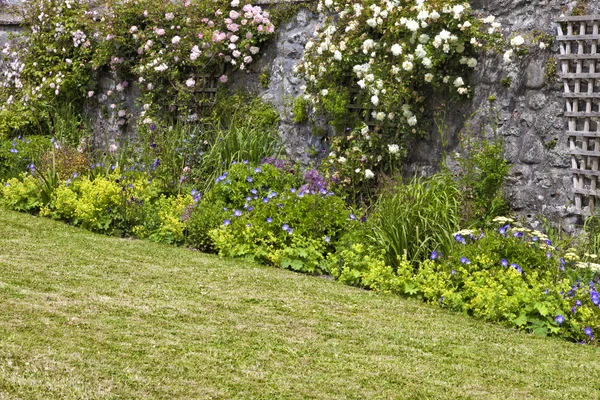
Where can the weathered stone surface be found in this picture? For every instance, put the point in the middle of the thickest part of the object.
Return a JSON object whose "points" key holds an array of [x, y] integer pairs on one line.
{"points": [[528, 115]]}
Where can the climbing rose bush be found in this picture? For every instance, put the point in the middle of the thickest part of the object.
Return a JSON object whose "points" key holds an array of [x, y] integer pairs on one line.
{"points": [[165, 49], [396, 52]]}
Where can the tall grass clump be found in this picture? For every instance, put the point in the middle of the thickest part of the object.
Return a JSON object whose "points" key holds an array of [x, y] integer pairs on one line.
{"points": [[417, 218]]}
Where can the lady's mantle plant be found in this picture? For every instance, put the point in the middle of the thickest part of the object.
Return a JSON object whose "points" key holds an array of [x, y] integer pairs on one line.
{"points": [[396, 52]]}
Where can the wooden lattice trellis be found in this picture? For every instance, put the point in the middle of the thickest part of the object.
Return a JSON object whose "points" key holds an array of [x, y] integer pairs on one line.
{"points": [[579, 57]]}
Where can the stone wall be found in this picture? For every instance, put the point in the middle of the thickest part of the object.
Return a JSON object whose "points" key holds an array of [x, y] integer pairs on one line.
{"points": [[528, 115]]}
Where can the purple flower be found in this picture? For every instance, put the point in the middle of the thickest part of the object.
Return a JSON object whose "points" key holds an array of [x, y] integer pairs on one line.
{"points": [[13, 150], [237, 213], [503, 230], [250, 208], [257, 170], [269, 220], [226, 222], [265, 200], [578, 303], [588, 331], [460, 239], [559, 319], [253, 191], [504, 262], [465, 260], [352, 217], [453, 272], [534, 239], [290, 231], [327, 239], [285, 227], [249, 179], [31, 167], [518, 234], [433, 255], [517, 267], [573, 309]]}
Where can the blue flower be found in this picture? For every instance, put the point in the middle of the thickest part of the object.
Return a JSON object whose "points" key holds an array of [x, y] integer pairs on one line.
{"points": [[226, 222], [504, 262], [245, 161], [237, 213], [257, 170], [248, 198], [578, 303], [265, 200], [290, 231], [285, 227], [31, 167], [503, 230], [250, 208], [517, 267], [465, 260], [253, 191], [293, 190], [559, 319], [588, 331], [13, 150], [249, 179], [323, 192], [548, 255], [453, 272], [433, 255], [534, 239], [327, 239], [518, 234], [269, 220], [573, 309], [352, 217]]}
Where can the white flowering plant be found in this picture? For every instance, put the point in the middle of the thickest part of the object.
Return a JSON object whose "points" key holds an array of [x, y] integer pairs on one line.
{"points": [[47, 64], [357, 163], [396, 53], [165, 49]]}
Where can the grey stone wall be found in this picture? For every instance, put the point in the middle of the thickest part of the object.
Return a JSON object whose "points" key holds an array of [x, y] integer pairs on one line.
{"points": [[528, 115]]}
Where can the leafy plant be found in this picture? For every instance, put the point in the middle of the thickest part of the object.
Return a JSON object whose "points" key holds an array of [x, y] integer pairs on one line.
{"points": [[483, 171], [416, 218]]}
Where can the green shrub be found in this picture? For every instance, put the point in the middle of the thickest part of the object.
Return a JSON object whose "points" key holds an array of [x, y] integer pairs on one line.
{"points": [[20, 194], [300, 110], [416, 218], [290, 230], [481, 181], [21, 153]]}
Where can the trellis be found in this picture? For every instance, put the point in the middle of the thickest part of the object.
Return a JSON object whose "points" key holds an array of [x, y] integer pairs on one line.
{"points": [[578, 37]]}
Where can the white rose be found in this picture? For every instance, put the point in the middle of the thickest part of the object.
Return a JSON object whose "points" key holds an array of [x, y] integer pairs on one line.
{"points": [[375, 100], [369, 174], [428, 77], [517, 41], [396, 49], [393, 148], [412, 121], [458, 82]]}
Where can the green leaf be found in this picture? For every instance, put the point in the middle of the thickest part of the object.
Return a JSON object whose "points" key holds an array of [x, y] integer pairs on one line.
{"points": [[297, 265], [541, 308], [540, 331], [410, 288], [520, 320]]}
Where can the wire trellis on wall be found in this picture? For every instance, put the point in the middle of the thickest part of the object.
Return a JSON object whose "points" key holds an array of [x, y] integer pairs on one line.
{"points": [[578, 37]]}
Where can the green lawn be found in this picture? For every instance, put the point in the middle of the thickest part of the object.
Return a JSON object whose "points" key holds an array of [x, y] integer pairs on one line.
{"points": [[88, 316]]}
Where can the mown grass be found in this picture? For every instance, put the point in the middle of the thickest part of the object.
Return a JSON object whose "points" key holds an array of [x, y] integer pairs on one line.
{"points": [[87, 316]]}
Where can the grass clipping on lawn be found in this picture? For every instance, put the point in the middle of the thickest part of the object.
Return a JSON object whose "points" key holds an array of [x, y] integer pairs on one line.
{"points": [[88, 316]]}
